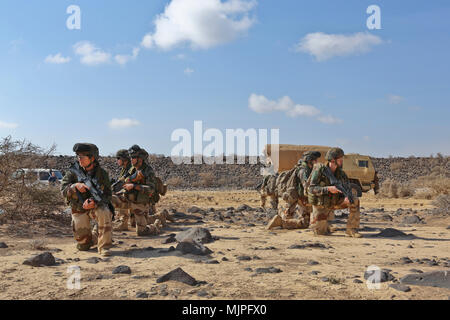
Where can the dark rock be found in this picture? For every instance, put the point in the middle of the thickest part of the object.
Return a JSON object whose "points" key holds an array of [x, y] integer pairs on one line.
{"points": [[212, 262], [122, 270], [432, 263], [167, 250], [268, 270], [310, 245], [76, 259], [149, 249], [400, 287], [243, 207], [170, 239], [312, 263], [256, 258], [194, 209], [225, 259], [416, 270], [133, 246], [325, 279], [405, 260], [357, 281], [43, 259], [193, 247], [142, 295], [251, 225], [248, 269], [163, 293], [178, 275], [413, 219], [314, 273], [202, 293], [200, 235], [244, 258], [392, 233], [378, 275], [93, 260], [3, 245]]}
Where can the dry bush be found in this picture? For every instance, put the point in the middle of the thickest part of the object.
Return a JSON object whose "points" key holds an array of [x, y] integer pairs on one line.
{"points": [[175, 182], [396, 166], [249, 184], [405, 190], [38, 244], [207, 179], [393, 189], [432, 186], [443, 203], [21, 197]]}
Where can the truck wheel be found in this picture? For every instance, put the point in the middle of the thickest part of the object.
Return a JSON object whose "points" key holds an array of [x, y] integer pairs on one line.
{"points": [[356, 190]]}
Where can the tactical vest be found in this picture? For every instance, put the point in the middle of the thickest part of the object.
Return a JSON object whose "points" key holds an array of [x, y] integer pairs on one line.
{"points": [[327, 200], [143, 196], [304, 171]]}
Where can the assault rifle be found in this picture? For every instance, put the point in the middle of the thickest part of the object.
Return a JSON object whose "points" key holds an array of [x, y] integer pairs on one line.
{"points": [[94, 188], [344, 188], [118, 185]]}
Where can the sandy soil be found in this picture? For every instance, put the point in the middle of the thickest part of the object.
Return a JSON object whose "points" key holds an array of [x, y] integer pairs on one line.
{"points": [[345, 260]]}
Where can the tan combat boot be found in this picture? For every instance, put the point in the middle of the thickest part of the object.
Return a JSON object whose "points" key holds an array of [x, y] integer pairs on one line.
{"points": [[353, 233], [332, 229], [122, 226], [275, 222]]}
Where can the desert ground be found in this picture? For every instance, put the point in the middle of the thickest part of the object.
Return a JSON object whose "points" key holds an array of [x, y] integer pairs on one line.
{"points": [[334, 271]]}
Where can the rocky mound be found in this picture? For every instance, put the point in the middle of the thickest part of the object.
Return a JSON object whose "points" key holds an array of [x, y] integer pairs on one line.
{"points": [[247, 176]]}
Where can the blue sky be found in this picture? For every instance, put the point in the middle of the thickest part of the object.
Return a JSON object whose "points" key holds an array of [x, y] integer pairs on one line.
{"points": [[377, 92]]}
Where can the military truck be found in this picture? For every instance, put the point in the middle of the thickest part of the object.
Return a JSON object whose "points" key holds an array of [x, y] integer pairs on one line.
{"points": [[359, 168]]}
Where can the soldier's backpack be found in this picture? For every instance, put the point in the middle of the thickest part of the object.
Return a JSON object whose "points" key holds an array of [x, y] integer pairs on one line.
{"points": [[161, 188], [287, 180]]}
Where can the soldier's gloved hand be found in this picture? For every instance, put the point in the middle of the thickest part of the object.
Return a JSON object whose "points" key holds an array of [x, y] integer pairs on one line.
{"points": [[333, 189], [128, 186], [89, 204], [81, 187]]}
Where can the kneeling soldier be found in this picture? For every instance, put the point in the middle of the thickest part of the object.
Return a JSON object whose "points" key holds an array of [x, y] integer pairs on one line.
{"points": [[325, 197], [87, 189], [138, 188]]}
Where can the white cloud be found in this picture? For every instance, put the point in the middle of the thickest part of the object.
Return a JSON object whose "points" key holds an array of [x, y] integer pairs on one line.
{"points": [[125, 58], [57, 59], [200, 23], [8, 125], [188, 71], [180, 56], [394, 99], [123, 123], [325, 46], [260, 104], [329, 119], [90, 54]]}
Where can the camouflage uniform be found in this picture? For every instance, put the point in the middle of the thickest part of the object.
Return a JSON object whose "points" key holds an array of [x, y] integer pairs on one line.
{"points": [[81, 218], [295, 197], [123, 215], [324, 203], [268, 189], [138, 201]]}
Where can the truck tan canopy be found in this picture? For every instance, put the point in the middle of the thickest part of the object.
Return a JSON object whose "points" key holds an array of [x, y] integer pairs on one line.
{"points": [[289, 154]]}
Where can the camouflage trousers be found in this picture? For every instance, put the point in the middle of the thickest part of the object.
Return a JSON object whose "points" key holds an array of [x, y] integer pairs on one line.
{"points": [[140, 212], [273, 199], [85, 237], [288, 213], [320, 216]]}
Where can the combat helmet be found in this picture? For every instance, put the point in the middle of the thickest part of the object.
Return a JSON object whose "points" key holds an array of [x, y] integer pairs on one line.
{"points": [[311, 156], [123, 154], [334, 153], [136, 151], [89, 148]]}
